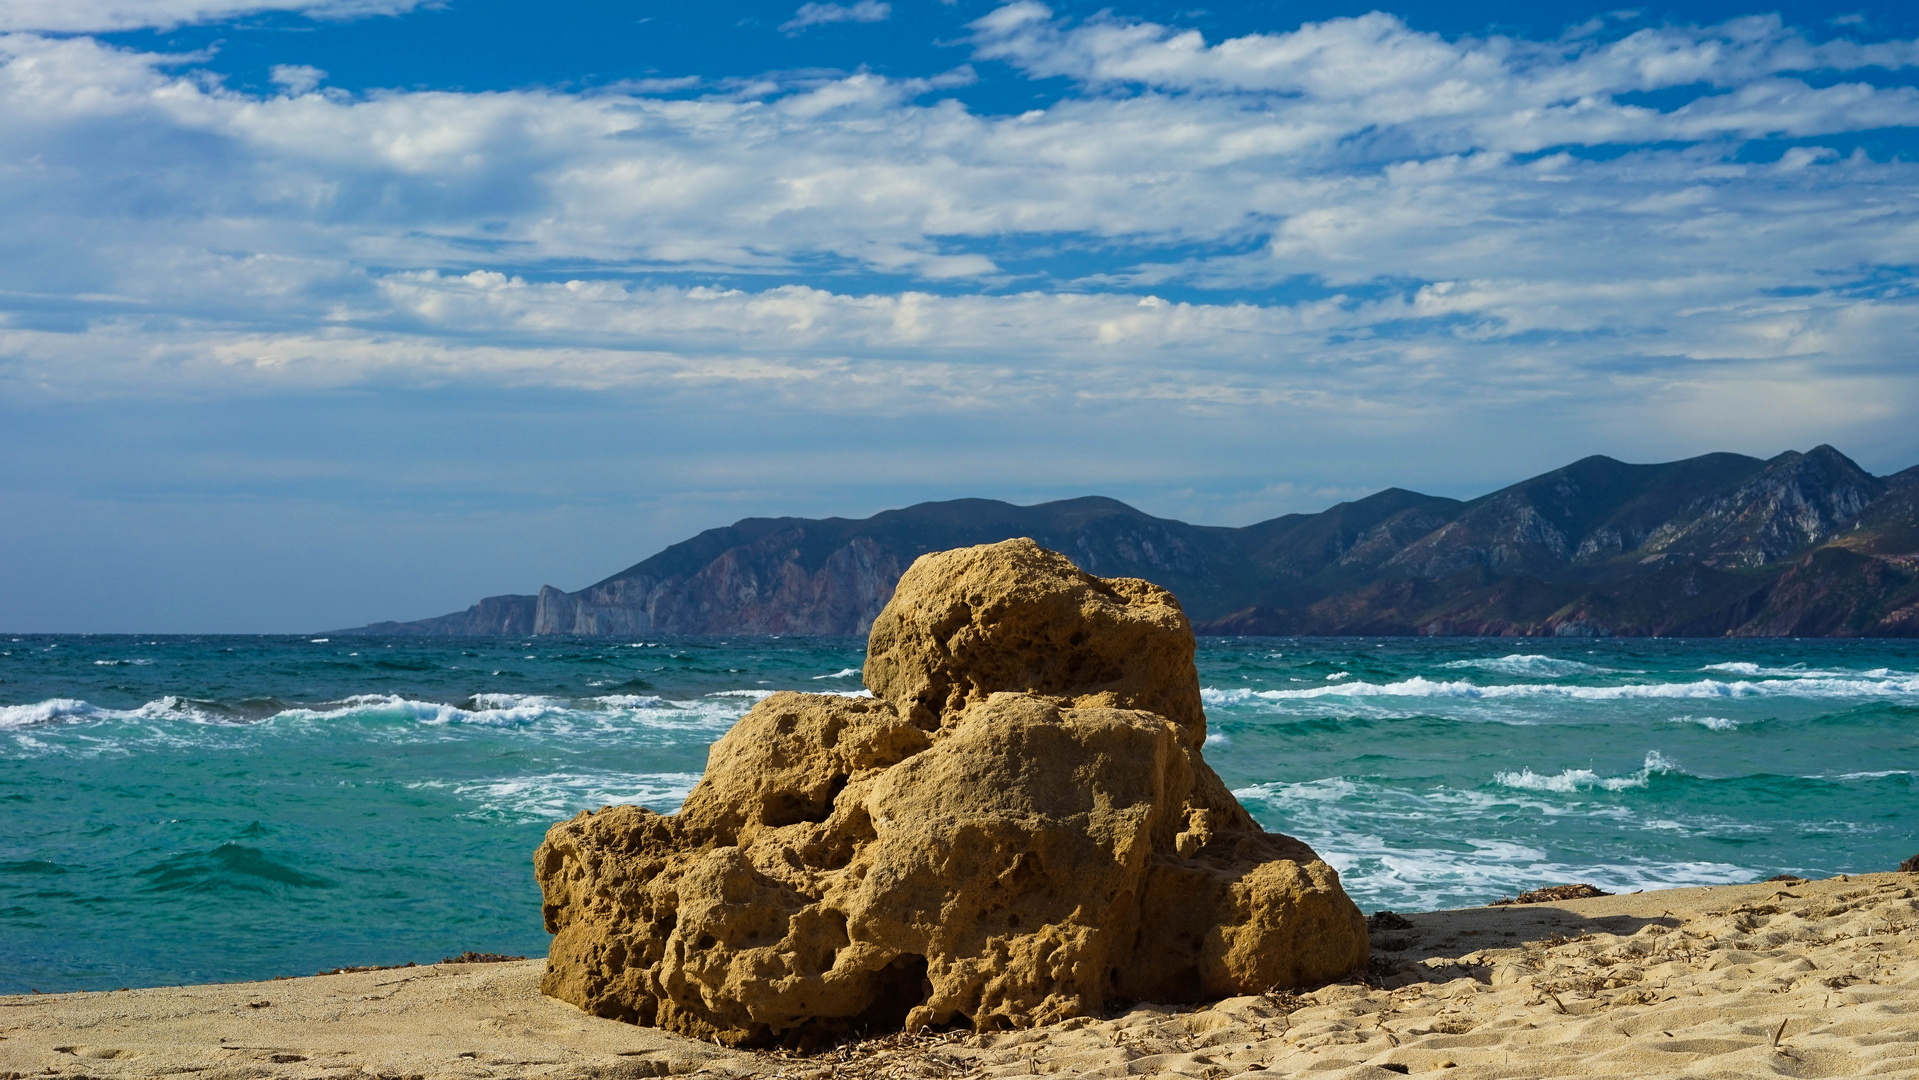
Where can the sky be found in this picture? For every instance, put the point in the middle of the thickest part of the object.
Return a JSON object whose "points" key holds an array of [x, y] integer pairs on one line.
{"points": [[319, 312]]}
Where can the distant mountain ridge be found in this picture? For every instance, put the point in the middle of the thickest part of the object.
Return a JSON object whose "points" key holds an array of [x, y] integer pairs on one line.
{"points": [[1800, 545]]}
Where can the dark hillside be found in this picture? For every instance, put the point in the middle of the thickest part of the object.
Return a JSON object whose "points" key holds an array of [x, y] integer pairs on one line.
{"points": [[1802, 544]]}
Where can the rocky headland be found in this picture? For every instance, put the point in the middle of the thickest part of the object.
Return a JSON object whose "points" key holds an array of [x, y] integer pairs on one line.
{"points": [[1016, 829], [1805, 545]]}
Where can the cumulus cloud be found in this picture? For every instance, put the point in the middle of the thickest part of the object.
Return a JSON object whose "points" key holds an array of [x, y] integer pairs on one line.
{"points": [[296, 78], [1354, 215], [815, 14], [102, 16]]}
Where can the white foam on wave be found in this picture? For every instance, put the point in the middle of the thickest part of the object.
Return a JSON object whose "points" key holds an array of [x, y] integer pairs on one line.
{"points": [[1892, 684], [840, 674], [560, 795], [539, 713], [74, 711], [756, 695], [1376, 872], [121, 663], [514, 701], [1529, 664], [1801, 671], [52, 710], [1399, 846], [631, 701], [503, 710], [1710, 723], [1567, 781], [1329, 789]]}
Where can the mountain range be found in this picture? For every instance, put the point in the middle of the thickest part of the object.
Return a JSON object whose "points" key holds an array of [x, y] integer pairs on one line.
{"points": [[1799, 545]]}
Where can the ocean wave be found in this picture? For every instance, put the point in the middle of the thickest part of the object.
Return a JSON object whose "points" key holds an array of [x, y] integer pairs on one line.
{"points": [[513, 701], [1570, 780], [1436, 846], [1801, 671], [1892, 684], [1710, 723], [1326, 789], [552, 796], [523, 709], [631, 701], [51, 711], [840, 674], [74, 710], [1530, 664], [487, 709], [1377, 873]]}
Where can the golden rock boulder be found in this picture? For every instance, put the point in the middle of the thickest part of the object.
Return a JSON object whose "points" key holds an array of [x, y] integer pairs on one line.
{"points": [[1018, 829]]}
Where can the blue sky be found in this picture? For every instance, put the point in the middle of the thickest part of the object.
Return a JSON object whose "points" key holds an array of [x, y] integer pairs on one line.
{"points": [[323, 311]]}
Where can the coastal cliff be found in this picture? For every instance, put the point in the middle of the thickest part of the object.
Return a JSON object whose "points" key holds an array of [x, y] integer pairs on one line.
{"points": [[1804, 544]]}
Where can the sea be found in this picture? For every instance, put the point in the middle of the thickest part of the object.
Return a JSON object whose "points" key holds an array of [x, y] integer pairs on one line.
{"points": [[194, 809]]}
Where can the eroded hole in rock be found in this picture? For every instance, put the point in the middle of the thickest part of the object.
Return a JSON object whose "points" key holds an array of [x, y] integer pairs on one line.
{"points": [[959, 1022], [898, 989], [784, 808], [833, 931], [855, 831]]}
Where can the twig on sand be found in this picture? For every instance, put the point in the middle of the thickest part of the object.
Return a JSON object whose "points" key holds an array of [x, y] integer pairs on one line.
{"points": [[1380, 1023], [1781, 1031]]}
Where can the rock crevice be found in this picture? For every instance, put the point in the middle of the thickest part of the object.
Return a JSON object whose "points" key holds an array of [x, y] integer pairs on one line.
{"points": [[1018, 828]]}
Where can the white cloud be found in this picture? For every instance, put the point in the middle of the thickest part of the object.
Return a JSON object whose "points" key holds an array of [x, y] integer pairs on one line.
{"points": [[296, 79], [815, 14], [101, 16], [1357, 216]]}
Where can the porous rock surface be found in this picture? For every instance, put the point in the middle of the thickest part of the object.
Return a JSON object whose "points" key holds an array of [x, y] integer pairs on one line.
{"points": [[1018, 828]]}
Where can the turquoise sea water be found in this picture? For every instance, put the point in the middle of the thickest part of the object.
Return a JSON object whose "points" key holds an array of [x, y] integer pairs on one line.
{"points": [[190, 809]]}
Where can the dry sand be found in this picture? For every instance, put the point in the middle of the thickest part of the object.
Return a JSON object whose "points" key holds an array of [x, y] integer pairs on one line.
{"points": [[1801, 979]]}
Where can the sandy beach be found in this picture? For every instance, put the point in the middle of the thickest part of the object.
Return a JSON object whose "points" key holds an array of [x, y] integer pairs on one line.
{"points": [[1800, 979]]}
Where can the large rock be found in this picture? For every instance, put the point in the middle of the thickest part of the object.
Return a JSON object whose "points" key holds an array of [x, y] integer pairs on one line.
{"points": [[1017, 830], [971, 622]]}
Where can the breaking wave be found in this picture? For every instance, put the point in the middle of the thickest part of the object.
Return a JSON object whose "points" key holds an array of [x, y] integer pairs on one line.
{"points": [[715, 712], [1567, 781], [1875, 684], [1710, 723], [552, 796], [1529, 664]]}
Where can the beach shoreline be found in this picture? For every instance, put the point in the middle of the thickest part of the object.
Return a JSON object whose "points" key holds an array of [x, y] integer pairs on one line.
{"points": [[1806, 978]]}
